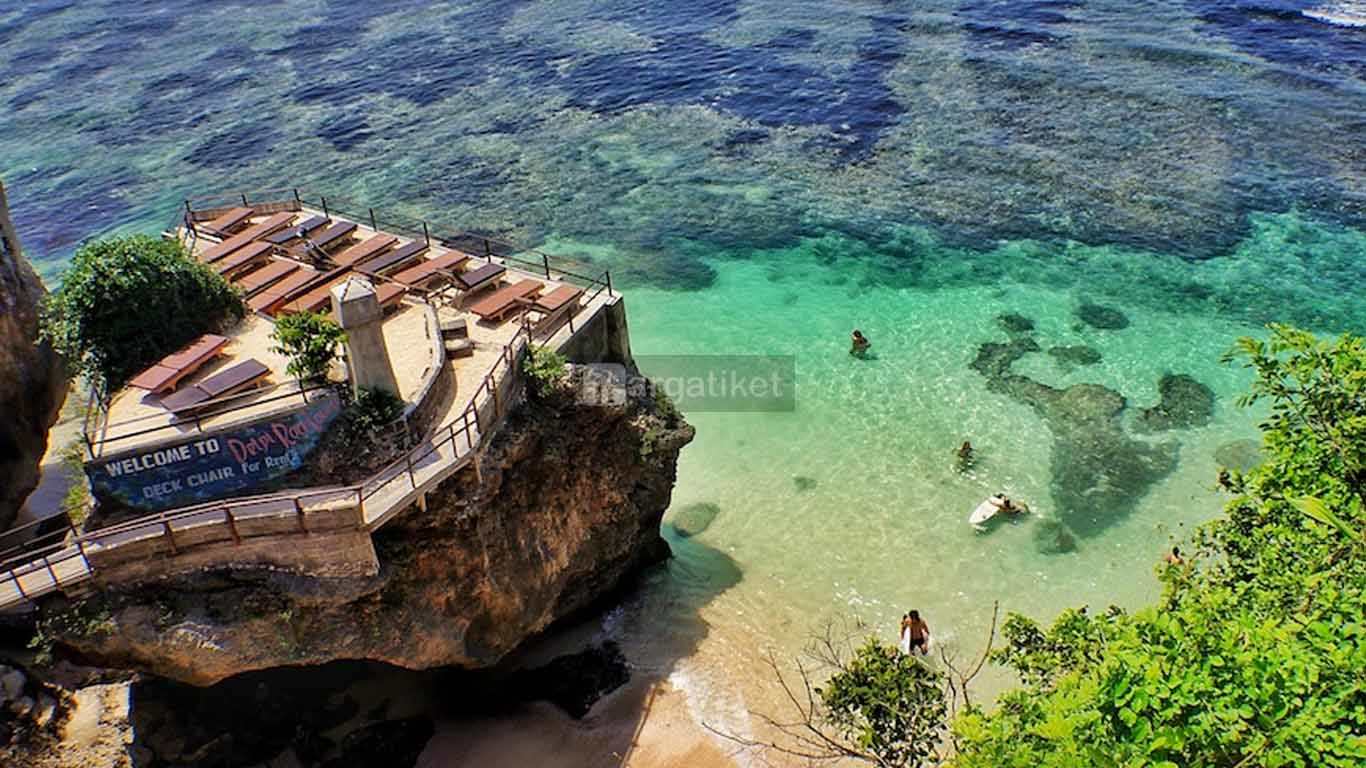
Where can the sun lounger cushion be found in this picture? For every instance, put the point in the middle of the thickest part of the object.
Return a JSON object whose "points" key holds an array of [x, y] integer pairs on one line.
{"points": [[225, 224], [291, 232], [242, 257], [263, 278], [505, 299], [388, 294], [556, 299], [478, 278], [398, 257], [165, 374], [426, 269], [276, 294], [364, 250], [221, 384]]}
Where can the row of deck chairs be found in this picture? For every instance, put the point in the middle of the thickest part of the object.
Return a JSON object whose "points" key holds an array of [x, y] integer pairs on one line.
{"points": [[166, 375], [284, 266]]}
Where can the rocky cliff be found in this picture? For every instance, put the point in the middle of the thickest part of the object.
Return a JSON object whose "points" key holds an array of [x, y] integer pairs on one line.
{"points": [[564, 508], [32, 383]]}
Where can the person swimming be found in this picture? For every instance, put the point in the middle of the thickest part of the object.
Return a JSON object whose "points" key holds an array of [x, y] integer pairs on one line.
{"points": [[859, 344], [1174, 557]]}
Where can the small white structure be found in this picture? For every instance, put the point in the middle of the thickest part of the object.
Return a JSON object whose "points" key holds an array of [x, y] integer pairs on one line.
{"points": [[358, 312]]}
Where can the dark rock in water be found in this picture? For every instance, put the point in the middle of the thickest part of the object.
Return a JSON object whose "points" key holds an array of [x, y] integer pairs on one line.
{"points": [[1184, 403], [1240, 455], [1015, 323], [393, 742], [574, 683], [804, 483], [1099, 471], [1074, 355], [694, 518], [995, 358], [1051, 537], [1102, 317]]}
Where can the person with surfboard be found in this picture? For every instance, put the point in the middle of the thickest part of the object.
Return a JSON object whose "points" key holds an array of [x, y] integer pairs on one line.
{"points": [[994, 506], [915, 634]]}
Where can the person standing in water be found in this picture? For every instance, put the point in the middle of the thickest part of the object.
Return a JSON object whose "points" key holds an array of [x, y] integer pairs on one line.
{"points": [[860, 344], [915, 633], [964, 458]]}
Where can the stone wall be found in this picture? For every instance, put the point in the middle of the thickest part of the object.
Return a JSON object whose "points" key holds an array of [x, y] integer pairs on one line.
{"points": [[605, 338]]}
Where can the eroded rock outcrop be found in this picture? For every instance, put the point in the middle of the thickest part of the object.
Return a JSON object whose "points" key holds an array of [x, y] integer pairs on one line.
{"points": [[32, 382], [564, 509]]}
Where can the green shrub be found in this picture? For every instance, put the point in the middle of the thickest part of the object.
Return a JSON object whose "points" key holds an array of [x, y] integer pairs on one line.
{"points": [[1254, 654], [546, 368], [126, 302], [888, 706], [310, 342]]}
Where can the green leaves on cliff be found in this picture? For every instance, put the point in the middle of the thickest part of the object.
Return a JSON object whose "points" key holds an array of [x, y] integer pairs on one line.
{"points": [[888, 706], [126, 302]]}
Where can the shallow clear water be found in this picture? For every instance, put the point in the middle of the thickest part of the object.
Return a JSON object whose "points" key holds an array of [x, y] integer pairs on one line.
{"points": [[762, 177]]}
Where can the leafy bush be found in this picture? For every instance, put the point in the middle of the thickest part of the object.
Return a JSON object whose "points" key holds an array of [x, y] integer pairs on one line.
{"points": [[126, 302], [310, 342], [371, 410], [889, 706], [546, 368], [1254, 655]]}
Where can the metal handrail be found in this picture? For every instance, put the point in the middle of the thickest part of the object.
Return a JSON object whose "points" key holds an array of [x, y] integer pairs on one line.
{"points": [[403, 467]]}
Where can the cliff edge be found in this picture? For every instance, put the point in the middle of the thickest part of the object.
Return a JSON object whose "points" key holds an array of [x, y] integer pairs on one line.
{"points": [[32, 380], [562, 510]]}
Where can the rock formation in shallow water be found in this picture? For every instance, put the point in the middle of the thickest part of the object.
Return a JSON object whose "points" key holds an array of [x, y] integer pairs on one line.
{"points": [[1102, 317], [567, 509], [1184, 403], [1099, 471], [694, 518], [1069, 357], [32, 382]]}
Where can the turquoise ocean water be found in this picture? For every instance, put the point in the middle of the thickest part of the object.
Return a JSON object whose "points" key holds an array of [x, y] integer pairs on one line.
{"points": [[762, 177]]}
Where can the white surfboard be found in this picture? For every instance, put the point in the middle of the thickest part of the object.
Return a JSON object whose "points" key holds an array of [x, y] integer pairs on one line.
{"points": [[984, 512]]}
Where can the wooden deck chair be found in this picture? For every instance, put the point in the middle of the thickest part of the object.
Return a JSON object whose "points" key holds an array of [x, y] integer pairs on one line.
{"points": [[424, 273], [334, 236], [498, 304], [258, 280], [254, 232], [395, 259], [366, 249], [223, 226], [244, 375], [167, 373], [271, 297], [479, 278], [242, 259], [295, 231]]}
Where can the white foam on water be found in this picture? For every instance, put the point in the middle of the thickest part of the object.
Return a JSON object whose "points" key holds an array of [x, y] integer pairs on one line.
{"points": [[1343, 14]]}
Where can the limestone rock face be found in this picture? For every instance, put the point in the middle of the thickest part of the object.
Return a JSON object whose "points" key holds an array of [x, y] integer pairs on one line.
{"points": [[32, 383], [564, 509]]}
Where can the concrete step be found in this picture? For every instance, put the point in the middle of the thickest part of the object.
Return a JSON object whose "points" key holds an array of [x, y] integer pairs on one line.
{"points": [[456, 328], [459, 348]]}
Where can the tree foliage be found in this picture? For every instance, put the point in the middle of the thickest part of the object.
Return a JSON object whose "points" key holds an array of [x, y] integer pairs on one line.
{"points": [[545, 367], [889, 706], [126, 302], [1255, 654], [310, 342]]}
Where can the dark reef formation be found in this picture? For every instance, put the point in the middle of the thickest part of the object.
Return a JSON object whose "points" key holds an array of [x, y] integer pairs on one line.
{"points": [[1013, 322], [1069, 357], [1102, 317], [1184, 403], [1099, 470]]}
